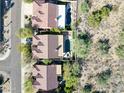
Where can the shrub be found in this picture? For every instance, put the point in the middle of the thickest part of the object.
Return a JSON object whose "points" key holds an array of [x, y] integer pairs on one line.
{"points": [[104, 76], [99, 91], [85, 7], [25, 33], [26, 17], [105, 12], [87, 88], [25, 49], [78, 21], [94, 20], [47, 61], [96, 17], [76, 69], [104, 46], [28, 88], [71, 82], [121, 37], [56, 30], [120, 51], [71, 72], [82, 45]]}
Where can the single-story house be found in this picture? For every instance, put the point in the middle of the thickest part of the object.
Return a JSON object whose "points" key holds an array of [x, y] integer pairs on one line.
{"points": [[47, 46], [48, 15], [45, 77]]}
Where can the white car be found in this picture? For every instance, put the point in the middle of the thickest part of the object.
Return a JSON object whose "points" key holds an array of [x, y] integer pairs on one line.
{"points": [[7, 3]]}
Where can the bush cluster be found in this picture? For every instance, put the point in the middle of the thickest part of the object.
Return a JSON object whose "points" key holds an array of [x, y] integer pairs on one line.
{"points": [[96, 17]]}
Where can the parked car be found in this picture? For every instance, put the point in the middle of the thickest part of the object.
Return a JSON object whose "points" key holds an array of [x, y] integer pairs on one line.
{"points": [[7, 4]]}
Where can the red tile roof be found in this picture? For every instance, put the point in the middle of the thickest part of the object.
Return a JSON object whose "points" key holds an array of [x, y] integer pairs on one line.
{"points": [[45, 77], [44, 15], [47, 46]]}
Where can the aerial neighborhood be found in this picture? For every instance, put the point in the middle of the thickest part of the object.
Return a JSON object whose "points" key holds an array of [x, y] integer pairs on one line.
{"points": [[61, 46], [50, 26]]}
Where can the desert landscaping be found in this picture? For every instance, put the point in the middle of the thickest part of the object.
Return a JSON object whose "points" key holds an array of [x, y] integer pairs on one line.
{"points": [[103, 56]]}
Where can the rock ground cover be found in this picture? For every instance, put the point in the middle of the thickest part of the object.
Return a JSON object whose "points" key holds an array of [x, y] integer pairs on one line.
{"points": [[95, 63]]}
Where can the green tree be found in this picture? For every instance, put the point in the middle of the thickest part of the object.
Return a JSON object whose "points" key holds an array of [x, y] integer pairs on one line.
{"points": [[66, 69], [71, 82], [25, 33], [70, 78]]}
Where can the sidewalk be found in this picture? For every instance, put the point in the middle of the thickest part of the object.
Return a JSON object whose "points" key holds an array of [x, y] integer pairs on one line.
{"points": [[27, 9]]}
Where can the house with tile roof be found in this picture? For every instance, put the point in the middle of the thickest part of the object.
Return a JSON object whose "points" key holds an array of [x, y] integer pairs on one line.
{"points": [[45, 77], [47, 46], [48, 15]]}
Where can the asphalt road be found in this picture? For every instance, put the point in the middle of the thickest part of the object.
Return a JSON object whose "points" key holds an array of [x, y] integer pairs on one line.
{"points": [[12, 65]]}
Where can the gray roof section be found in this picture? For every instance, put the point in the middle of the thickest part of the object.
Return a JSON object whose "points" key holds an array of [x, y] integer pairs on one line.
{"points": [[52, 46]]}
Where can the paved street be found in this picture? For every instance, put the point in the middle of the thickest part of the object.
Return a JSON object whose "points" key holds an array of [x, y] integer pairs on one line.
{"points": [[12, 64]]}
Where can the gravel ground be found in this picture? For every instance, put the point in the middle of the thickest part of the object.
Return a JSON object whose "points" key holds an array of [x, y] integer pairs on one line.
{"points": [[95, 62]]}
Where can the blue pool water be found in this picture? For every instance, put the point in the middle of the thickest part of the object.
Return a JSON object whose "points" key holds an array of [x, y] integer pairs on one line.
{"points": [[67, 46], [68, 14]]}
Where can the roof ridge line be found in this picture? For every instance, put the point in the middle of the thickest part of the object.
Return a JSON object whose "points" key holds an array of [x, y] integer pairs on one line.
{"points": [[48, 47], [48, 14]]}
